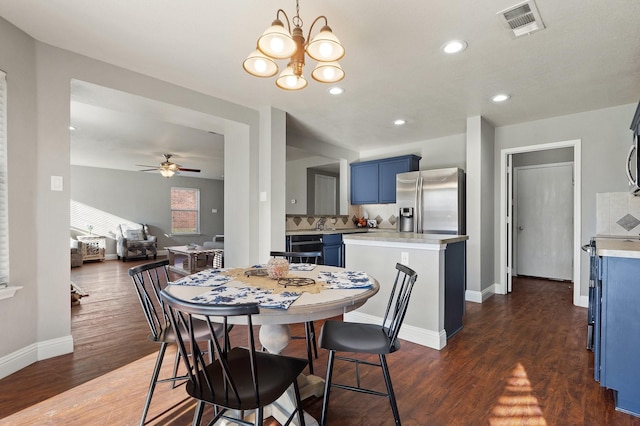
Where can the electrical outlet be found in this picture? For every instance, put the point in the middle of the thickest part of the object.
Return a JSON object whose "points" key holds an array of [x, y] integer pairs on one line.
{"points": [[404, 258]]}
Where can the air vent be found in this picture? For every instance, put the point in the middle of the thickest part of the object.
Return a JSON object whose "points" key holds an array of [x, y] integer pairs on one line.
{"points": [[522, 19]]}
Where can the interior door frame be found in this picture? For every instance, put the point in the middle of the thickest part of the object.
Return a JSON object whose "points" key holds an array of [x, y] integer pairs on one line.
{"points": [[506, 238]]}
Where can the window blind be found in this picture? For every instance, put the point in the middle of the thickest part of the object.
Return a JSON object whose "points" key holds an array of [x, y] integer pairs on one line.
{"points": [[4, 208]]}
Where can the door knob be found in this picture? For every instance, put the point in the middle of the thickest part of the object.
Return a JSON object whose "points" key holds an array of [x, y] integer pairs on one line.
{"points": [[520, 228]]}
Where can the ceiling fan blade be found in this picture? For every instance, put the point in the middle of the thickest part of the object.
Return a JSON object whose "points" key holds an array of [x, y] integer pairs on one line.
{"points": [[149, 170], [145, 165], [182, 169]]}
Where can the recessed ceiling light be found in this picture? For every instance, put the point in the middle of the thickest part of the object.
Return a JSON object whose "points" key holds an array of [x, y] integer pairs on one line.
{"points": [[399, 122], [336, 90], [500, 97], [454, 46], [71, 128]]}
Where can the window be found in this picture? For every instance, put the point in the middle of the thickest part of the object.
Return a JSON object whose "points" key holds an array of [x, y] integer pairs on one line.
{"points": [[185, 211], [4, 208]]}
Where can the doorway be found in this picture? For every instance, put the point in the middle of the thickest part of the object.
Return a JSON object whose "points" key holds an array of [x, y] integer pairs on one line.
{"points": [[507, 221]]}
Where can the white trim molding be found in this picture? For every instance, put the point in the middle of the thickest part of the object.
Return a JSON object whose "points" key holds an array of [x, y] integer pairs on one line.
{"points": [[501, 287], [409, 333], [480, 297], [21, 358]]}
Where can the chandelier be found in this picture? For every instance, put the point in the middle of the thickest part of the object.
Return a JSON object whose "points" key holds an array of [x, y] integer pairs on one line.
{"points": [[280, 43]]}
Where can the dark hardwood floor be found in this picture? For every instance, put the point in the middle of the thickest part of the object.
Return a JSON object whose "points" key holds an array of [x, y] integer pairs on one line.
{"points": [[519, 360]]}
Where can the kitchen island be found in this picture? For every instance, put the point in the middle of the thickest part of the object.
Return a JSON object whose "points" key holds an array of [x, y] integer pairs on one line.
{"points": [[437, 304]]}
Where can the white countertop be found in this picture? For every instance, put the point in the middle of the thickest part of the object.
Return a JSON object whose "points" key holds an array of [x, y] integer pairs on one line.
{"points": [[327, 231], [408, 237], [618, 247]]}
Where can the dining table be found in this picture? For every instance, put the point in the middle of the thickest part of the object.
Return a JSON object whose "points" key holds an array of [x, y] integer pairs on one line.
{"points": [[308, 292]]}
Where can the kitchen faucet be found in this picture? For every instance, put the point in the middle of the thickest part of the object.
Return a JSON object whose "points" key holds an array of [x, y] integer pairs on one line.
{"points": [[321, 223]]}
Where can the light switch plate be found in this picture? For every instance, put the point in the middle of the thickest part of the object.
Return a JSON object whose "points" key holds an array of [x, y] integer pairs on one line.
{"points": [[56, 183]]}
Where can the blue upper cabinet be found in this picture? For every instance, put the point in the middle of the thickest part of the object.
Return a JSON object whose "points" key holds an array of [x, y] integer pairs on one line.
{"points": [[374, 182]]}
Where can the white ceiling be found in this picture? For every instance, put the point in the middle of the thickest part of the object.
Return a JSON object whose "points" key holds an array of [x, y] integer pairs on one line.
{"points": [[587, 58]]}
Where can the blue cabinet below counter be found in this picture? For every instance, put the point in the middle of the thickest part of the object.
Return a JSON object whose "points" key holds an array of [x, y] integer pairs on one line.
{"points": [[617, 331], [330, 245]]}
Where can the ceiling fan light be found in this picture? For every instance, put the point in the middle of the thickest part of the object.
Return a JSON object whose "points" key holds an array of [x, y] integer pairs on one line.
{"points": [[325, 46], [327, 72], [260, 65], [276, 42], [288, 80], [166, 172]]}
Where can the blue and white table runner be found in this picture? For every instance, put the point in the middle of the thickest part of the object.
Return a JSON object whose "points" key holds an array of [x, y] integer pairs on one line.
{"points": [[222, 294]]}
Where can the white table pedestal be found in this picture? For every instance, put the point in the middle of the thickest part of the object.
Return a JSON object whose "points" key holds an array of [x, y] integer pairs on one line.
{"points": [[275, 338]]}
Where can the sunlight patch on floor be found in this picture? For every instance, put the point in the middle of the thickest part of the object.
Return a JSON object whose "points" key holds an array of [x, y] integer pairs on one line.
{"points": [[517, 405]]}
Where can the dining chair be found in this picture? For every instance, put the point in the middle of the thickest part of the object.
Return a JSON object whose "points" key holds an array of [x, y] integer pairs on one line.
{"points": [[312, 257], [240, 378], [339, 336], [149, 279]]}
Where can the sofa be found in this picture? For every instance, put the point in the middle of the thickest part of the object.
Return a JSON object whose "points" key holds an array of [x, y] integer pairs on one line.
{"points": [[217, 259], [134, 241], [76, 253]]}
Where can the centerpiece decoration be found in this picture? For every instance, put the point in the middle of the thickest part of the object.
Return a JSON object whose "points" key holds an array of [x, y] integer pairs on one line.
{"points": [[277, 268]]}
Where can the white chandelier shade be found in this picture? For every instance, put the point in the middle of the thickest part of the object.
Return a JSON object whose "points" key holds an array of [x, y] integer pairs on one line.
{"points": [[327, 72], [260, 65]]}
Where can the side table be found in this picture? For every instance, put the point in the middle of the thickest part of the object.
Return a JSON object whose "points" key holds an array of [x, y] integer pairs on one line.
{"points": [[93, 247]]}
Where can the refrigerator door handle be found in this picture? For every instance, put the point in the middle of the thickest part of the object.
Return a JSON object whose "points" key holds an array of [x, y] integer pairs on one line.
{"points": [[417, 227]]}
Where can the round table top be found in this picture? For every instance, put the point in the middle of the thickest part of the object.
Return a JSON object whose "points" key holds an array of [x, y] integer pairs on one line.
{"points": [[308, 307]]}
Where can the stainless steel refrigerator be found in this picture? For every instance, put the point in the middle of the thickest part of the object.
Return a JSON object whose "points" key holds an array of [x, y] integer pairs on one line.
{"points": [[431, 201]]}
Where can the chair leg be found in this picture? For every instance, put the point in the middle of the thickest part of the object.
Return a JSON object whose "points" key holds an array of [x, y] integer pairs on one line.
{"points": [[152, 384], [197, 415], [310, 338], [176, 363], [312, 329], [299, 409], [392, 397], [327, 388]]}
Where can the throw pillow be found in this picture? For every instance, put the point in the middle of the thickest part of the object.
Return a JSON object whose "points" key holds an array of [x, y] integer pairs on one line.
{"points": [[135, 235]]}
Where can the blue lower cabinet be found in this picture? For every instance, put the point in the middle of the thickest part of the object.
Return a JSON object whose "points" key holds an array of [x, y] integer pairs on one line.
{"points": [[330, 245], [620, 332], [333, 250]]}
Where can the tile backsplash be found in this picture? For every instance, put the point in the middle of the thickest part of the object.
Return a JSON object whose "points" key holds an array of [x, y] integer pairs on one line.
{"points": [[384, 214], [617, 213]]}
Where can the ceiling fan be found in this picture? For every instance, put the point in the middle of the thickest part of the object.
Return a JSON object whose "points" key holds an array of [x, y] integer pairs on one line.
{"points": [[168, 168]]}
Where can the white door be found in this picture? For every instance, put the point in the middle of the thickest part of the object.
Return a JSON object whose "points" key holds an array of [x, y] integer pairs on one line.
{"points": [[544, 221], [325, 194]]}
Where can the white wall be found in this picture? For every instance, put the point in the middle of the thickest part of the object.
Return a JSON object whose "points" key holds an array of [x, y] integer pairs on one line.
{"points": [[19, 314], [448, 151], [39, 79]]}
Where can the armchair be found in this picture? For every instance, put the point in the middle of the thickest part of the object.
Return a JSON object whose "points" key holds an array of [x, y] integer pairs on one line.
{"points": [[134, 241]]}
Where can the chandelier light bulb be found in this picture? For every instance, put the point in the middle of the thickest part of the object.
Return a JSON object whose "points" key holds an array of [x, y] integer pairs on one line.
{"points": [[260, 65], [326, 50], [277, 45], [291, 81]]}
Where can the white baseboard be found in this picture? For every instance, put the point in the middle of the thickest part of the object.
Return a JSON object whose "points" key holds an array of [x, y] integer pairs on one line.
{"points": [[420, 336], [480, 297], [583, 302], [21, 358]]}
